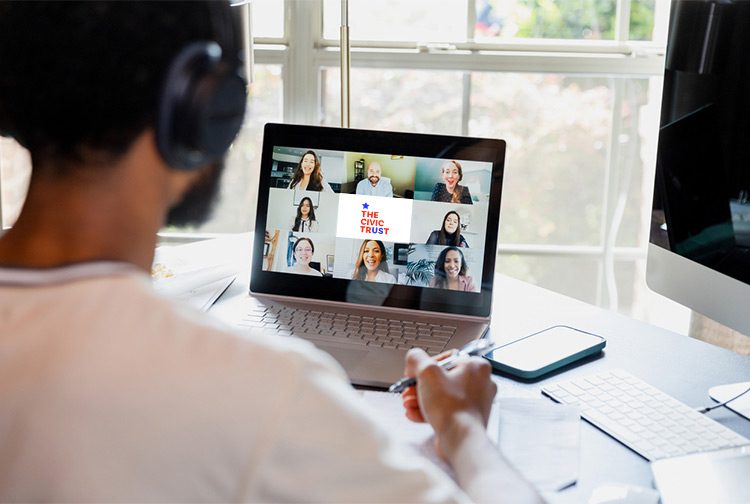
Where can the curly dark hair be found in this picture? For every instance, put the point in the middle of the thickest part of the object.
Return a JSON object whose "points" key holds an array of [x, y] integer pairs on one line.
{"points": [[81, 80]]}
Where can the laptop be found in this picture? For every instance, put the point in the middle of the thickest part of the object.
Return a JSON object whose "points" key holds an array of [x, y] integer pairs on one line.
{"points": [[368, 243]]}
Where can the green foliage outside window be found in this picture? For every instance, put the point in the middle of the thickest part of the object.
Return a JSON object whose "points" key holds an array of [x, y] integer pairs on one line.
{"points": [[569, 19]]}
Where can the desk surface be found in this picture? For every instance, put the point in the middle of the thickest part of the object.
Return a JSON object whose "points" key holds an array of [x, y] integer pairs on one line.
{"points": [[680, 366]]}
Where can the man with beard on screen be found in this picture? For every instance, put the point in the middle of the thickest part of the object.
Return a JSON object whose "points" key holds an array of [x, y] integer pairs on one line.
{"points": [[375, 184], [112, 393]]}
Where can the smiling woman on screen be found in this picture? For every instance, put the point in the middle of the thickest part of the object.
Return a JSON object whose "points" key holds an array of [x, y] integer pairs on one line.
{"points": [[450, 191], [371, 265], [450, 271], [305, 220], [303, 251], [307, 176]]}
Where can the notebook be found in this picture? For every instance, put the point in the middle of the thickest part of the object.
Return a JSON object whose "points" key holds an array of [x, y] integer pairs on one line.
{"points": [[368, 243]]}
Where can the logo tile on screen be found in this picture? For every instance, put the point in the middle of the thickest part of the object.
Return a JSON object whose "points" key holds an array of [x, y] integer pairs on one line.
{"points": [[363, 217]]}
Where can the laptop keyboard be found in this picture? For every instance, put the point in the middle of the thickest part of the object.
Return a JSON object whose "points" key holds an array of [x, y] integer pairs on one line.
{"points": [[642, 417], [362, 330]]}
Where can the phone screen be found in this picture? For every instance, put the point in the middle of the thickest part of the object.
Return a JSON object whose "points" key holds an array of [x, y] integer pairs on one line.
{"points": [[544, 348]]}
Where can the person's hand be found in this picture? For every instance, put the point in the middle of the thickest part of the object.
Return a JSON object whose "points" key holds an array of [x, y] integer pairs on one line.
{"points": [[409, 396], [443, 397]]}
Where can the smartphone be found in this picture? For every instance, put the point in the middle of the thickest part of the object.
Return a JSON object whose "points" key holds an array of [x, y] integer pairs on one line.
{"points": [[544, 351]]}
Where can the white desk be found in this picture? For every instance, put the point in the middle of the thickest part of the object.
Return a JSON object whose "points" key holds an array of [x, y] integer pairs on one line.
{"points": [[680, 366]]}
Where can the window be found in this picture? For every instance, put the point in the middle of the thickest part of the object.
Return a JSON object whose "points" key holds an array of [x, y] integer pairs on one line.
{"points": [[574, 87]]}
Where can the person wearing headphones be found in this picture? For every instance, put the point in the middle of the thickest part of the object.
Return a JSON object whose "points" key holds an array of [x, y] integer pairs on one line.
{"points": [[113, 393]]}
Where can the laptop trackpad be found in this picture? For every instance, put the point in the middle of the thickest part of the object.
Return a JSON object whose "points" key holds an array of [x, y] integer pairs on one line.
{"points": [[348, 358]]}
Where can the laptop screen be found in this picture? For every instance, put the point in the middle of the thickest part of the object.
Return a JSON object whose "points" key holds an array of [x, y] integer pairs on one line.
{"points": [[378, 218]]}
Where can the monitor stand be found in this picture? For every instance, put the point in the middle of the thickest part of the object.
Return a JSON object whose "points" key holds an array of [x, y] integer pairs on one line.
{"points": [[741, 406]]}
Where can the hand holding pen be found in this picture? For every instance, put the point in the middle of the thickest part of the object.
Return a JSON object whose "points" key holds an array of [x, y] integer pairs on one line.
{"points": [[475, 347], [445, 400]]}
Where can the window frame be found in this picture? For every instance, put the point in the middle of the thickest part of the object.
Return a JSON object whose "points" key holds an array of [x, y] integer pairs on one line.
{"points": [[303, 52]]}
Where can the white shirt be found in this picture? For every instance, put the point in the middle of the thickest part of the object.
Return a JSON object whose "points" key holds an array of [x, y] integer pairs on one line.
{"points": [[312, 272], [384, 277], [305, 225], [111, 393], [326, 187], [382, 188]]}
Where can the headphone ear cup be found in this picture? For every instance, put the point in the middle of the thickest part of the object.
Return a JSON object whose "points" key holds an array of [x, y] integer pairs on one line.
{"points": [[5, 126], [201, 108]]}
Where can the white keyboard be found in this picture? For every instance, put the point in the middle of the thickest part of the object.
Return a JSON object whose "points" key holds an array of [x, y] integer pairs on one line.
{"points": [[643, 418]]}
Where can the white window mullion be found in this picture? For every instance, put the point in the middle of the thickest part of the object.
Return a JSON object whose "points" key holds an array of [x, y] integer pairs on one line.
{"points": [[622, 21], [466, 104], [304, 26], [607, 64], [471, 19], [614, 198]]}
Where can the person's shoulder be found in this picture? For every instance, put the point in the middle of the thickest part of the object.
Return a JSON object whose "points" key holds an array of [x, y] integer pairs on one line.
{"points": [[191, 337], [384, 276], [468, 282]]}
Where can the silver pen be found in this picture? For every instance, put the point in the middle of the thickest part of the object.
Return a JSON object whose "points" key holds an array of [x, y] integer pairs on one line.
{"points": [[474, 347]]}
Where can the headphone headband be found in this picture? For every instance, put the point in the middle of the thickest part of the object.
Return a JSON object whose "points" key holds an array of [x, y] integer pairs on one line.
{"points": [[203, 98]]}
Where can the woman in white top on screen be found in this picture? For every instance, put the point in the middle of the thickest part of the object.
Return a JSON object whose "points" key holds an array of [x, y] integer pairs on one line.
{"points": [[371, 265], [450, 271], [305, 220], [303, 251], [307, 176]]}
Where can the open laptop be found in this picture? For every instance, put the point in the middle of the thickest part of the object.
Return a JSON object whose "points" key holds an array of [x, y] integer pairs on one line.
{"points": [[366, 260]]}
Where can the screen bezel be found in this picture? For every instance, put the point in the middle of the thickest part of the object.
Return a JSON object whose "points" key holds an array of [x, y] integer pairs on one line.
{"points": [[380, 142]]}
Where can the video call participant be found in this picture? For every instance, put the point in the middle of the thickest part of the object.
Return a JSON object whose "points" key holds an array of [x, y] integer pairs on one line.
{"points": [[450, 271], [305, 220], [303, 251], [450, 191], [371, 265], [375, 184], [113, 393], [449, 233], [307, 176]]}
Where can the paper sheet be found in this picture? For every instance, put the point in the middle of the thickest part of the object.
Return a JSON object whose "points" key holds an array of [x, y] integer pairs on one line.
{"points": [[197, 273], [541, 439], [419, 436]]}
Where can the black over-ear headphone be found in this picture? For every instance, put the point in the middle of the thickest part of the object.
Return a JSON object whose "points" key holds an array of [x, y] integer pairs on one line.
{"points": [[203, 98]]}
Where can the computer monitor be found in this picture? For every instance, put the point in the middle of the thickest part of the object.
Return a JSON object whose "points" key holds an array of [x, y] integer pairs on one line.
{"points": [[699, 251]]}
